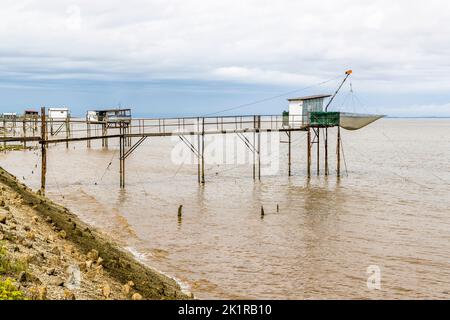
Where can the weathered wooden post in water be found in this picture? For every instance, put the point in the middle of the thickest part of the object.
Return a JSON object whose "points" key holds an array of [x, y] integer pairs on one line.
{"points": [[309, 152], [259, 146], [203, 151], [43, 149], [88, 131], [318, 151], [198, 153], [67, 131], [338, 152], [122, 156], [326, 150], [289, 153], [24, 128], [254, 148], [4, 130]]}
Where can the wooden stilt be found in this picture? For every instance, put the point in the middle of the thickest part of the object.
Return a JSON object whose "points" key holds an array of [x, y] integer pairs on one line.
{"points": [[128, 138], [253, 149], [259, 155], [122, 157], [318, 151], [24, 128], [33, 124], [106, 135], [338, 152], [203, 150], [103, 134], [326, 151], [4, 131], [67, 132], [88, 133], [198, 153], [309, 152], [289, 153], [43, 150]]}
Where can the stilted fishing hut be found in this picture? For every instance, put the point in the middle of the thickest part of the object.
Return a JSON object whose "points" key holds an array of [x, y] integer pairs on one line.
{"points": [[61, 118], [315, 117], [31, 117], [108, 118], [9, 119]]}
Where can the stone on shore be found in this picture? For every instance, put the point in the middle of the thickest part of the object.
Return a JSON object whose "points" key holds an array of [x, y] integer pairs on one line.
{"points": [[93, 255], [136, 296], [106, 290], [3, 217]]}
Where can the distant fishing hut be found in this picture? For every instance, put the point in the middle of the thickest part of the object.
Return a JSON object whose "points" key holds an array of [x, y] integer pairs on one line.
{"points": [[31, 116], [108, 118], [61, 118]]}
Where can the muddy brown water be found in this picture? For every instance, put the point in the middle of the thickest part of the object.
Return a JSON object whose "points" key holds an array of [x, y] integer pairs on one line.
{"points": [[392, 211]]}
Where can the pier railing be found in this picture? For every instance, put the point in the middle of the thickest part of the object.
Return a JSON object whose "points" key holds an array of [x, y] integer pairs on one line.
{"points": [[79, 128]]}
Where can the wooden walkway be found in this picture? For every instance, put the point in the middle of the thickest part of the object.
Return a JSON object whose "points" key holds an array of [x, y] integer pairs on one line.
{"points": [[50, 131]]}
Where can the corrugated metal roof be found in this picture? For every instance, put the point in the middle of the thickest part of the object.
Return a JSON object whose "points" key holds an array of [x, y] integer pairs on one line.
{"points": [[318, 96]]}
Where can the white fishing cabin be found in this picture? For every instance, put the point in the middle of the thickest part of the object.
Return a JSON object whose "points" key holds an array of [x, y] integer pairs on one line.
{"points": [[58, 113], [299, 109]]}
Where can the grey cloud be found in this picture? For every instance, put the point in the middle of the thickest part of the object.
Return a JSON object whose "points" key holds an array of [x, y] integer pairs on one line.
{"points": [[392, 46]]}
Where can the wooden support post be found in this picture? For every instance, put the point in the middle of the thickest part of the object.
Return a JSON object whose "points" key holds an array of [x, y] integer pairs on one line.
{"points": [[338, 152], [122, 157], [106, 134], [326, 151], [120, 162], [309, 152], [4, 131], [103, 134], [318, 151], [254, 147], [123, 160], [203, 150], [33, 125], [24, 127], [43, 150], [289, 152], [67, 132], [198, 152], [259, 155], [129, 132], [88, 133]]}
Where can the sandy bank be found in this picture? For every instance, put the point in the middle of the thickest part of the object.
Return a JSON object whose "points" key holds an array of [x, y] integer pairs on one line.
{"points": [[55, 255]]}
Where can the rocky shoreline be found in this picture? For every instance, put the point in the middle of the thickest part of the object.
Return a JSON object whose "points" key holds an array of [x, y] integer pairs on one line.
{"points": [[46, 252]]}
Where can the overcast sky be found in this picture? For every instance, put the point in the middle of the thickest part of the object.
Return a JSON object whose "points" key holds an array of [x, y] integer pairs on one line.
{"points": [[166, 57]]}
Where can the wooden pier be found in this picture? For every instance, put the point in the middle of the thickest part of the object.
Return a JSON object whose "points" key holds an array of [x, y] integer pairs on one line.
{"points": [[139, 129]]}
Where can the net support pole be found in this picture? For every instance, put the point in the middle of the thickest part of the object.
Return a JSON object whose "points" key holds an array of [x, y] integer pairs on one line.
{"points": [[338, 152], [43, 150], [326, 151], [308, 150]]}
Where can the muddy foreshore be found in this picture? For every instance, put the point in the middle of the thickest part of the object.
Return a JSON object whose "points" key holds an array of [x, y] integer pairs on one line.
{"points": [[49, 253]]}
